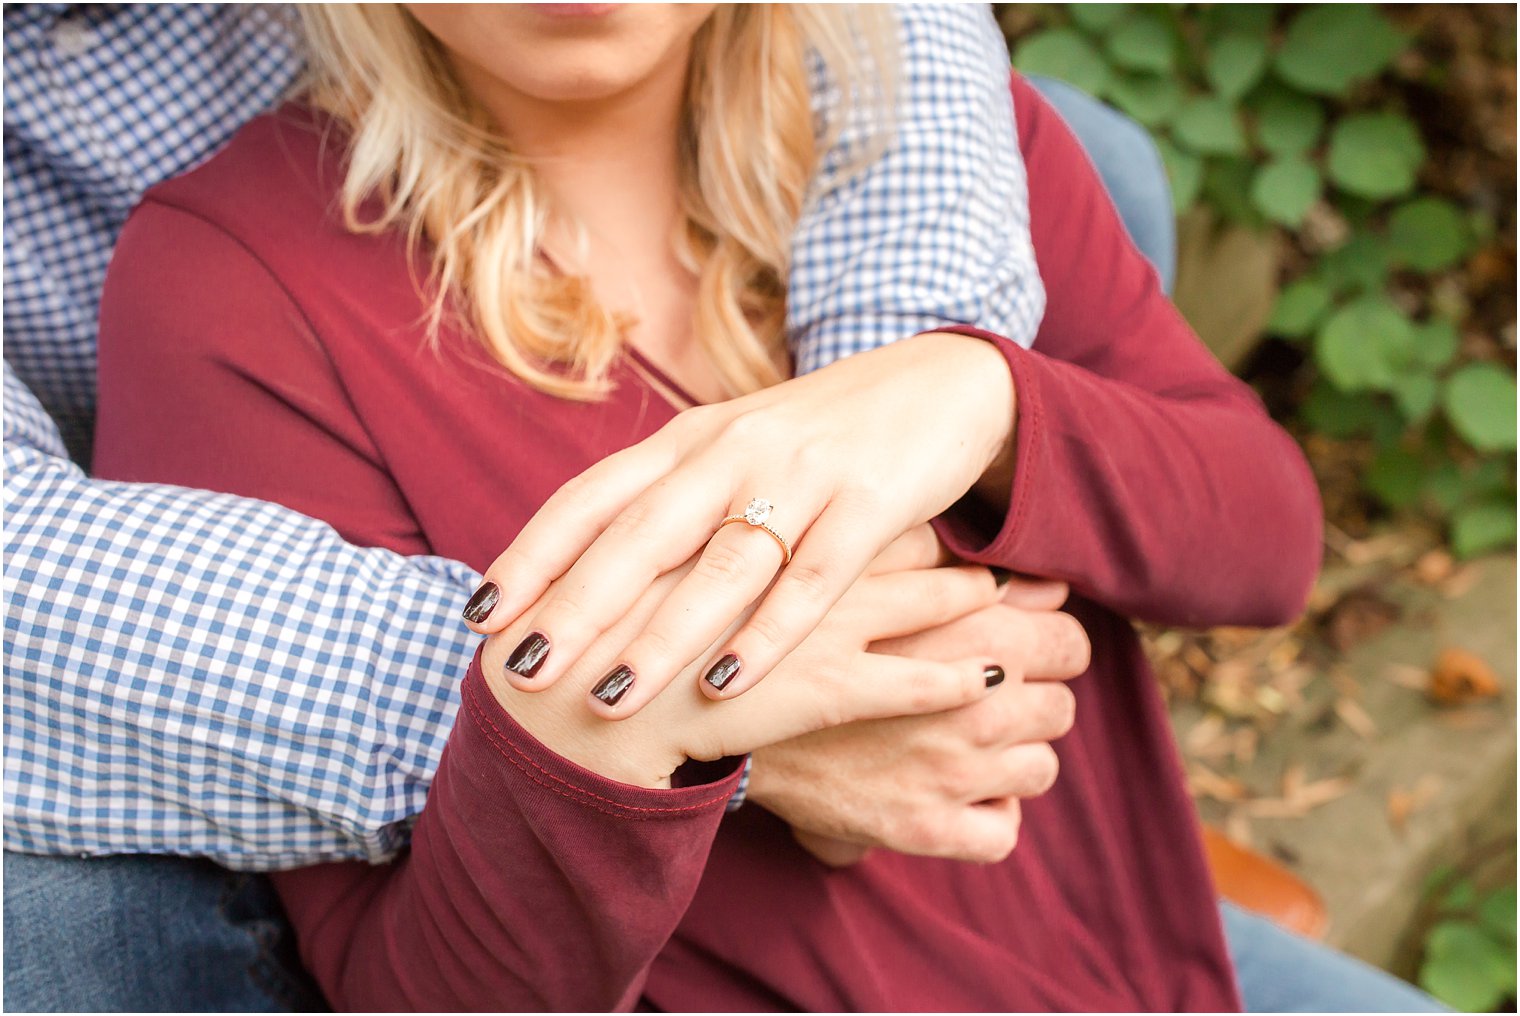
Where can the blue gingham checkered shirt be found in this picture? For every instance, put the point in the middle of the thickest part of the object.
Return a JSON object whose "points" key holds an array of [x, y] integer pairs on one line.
{"points": [[194, 673]]}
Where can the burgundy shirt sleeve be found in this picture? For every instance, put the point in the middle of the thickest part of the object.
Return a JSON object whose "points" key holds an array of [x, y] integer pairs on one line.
{"points": [[531, 883], [1145, 474]]}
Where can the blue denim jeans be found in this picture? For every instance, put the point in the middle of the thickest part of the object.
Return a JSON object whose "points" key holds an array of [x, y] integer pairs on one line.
{"points": [[146, 934], [164, 934]]}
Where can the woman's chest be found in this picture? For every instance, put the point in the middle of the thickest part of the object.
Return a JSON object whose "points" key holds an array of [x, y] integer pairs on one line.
{"points": [[474, 453]]}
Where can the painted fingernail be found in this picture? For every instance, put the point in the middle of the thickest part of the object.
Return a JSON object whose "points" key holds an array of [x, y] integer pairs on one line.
{"points": [[994, 676], [482, 603], [722, 672], [615, 685], [529, 655]]}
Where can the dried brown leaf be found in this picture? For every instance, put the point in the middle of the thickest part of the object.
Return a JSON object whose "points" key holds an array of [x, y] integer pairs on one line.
{"points": [[1460, 677]]}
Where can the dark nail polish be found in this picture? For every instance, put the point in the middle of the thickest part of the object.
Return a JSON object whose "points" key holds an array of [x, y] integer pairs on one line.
{"points": [[994, 676], [722, 672], [529, 655], [615, 685], [482, 603]]}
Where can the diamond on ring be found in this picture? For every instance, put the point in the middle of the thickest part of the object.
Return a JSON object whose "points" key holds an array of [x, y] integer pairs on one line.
{"points": [[757, 514]]}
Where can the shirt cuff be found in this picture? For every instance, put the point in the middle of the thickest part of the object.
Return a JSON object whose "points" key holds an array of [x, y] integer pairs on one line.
{"points": [[493, 741], [968, 529]]}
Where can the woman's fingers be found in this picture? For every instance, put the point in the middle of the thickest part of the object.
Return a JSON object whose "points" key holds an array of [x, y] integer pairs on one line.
{"points": [[903, 603], [881, 686], [732, 571], [919, 547], [1038, 644], [828, 560], [704, 605], [659, 531], [560, 531]]}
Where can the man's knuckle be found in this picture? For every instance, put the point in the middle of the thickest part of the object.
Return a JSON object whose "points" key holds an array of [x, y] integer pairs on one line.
{"points": [[984, 726], [1044, 769], [1065, 710]]}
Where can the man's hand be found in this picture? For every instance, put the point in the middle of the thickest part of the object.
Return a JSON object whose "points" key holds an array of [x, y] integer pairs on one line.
{"points": [[945, 784]]}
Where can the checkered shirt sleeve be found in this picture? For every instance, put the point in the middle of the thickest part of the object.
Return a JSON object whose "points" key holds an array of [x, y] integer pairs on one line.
{"points": [[936, 231], [195, 673]]}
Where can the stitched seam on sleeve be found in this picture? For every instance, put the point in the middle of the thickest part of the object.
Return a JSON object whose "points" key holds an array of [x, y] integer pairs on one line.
{"points": [[514, 753]]}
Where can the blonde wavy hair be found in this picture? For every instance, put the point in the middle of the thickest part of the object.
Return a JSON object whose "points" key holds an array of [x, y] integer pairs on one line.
{"points": [[424, 154]]}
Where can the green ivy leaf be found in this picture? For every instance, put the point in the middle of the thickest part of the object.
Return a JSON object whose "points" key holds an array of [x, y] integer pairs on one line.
{"points": [[1497, 917], [1331, 47], [1365, 345], [1435, 342], [1184, 170], [1254, 19], [1153, 99], [1480, 403], [1445, 486], [1375, 155], [1429, 234], [1299, 307], [1141, 43], [1096, 17], [1497, 914], [1415, 394], [1063, 53], [1209, 126], [1463, 967], [1339, 414], [1235, 62], [1479, 528], [1284, 190], [1288, 123], [1227, 186], [1359, 263], [1396, 475]]}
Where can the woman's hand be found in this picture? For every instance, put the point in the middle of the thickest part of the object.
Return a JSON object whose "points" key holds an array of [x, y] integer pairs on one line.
{"points": [[851, 456], [836, 676]]}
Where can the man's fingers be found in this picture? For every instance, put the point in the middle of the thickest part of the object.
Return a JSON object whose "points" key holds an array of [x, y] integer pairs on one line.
{"points": [[1024, 770], [832, 852], [1055, 645], [1034, 594], [985, 832], [560, 531]]}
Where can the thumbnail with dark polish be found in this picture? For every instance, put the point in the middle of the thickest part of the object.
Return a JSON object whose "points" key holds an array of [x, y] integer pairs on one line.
{"points": [[615, 685], [482, 603], [994, 676], [722, 672], [529, 655]]}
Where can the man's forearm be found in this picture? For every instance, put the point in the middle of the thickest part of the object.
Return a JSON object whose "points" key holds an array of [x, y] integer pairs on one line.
{"points": [[195, 673]]}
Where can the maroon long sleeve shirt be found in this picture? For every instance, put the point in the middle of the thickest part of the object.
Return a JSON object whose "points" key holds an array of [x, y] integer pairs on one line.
{"points": [[249, 344]]}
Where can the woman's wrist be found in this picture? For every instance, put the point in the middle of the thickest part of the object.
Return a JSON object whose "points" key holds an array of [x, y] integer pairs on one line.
{"points": [[630, 752], [991, 391]]}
